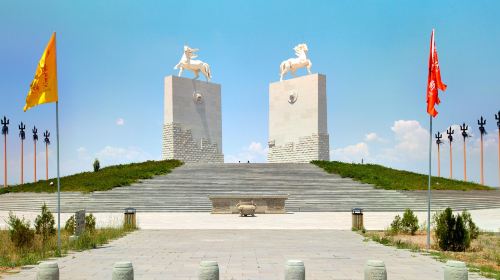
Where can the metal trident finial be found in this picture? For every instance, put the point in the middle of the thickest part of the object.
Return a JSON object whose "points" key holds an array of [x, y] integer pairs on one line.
{"points": [[450, 132], [464, 129], [35, 131], [46, 136], [438, 138], [481, 122], [497, 117], [5, 123], [22, 134]]}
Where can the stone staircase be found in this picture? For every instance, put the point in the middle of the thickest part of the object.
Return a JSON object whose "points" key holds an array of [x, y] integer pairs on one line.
{"points": [[311, 189]]}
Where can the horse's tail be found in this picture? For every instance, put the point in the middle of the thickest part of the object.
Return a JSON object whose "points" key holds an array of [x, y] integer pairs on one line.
{"points": [[207, 68], [282, 66]]}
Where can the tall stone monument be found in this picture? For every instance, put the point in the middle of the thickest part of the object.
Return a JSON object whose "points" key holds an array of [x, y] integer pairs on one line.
{"points": [[192, 125], [298, 114]]}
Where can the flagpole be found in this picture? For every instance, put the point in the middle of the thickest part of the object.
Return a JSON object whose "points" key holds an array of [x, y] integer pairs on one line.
{"points": [[58, 183], [429, 188]]}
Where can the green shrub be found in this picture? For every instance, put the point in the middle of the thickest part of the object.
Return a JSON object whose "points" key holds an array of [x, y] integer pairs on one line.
{"points": [[396, 225], [70, 225], [409, 223], [90, 223], [44, 223], [452, 231], [97, 165], [470, 225], [20, 233]]}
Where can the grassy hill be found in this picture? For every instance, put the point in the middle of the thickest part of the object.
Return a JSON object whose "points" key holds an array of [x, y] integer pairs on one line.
{"points": [[393, 179], [105, 179]]}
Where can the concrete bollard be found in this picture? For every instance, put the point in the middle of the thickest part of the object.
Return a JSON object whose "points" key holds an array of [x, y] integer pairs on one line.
{"points": [[209, 270], [375, 270], [123, 271], [295, 270], [48, 271], [455, 270]]}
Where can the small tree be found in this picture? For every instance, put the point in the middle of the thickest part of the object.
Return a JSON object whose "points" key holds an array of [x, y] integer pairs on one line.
{"points": [[409, 223], [470, 225], [44, 223], [90, 222], [20, 233], [70, 225], [452, 231], [97, 165], [396, 225]]}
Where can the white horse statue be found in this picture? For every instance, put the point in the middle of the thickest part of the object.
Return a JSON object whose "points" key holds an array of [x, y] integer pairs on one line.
{"points": [[292, 64], [187, 62]]}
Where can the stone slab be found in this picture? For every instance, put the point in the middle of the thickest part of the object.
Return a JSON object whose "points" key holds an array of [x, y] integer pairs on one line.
{"points": [[79, 222]]}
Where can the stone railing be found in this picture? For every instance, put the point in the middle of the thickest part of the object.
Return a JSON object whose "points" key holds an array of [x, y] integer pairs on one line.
{"points": [[265, 203], [294, 270]]}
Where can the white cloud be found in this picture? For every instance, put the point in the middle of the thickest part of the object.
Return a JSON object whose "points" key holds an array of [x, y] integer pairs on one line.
{"points": [[253, 153], [372, 136], [351, 153], [114, 155], [120, 121], [82, 153], [412, 141]]}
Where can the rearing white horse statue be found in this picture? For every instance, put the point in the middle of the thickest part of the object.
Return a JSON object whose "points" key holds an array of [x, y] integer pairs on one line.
{"points": [[292, 64], [187, 62]]}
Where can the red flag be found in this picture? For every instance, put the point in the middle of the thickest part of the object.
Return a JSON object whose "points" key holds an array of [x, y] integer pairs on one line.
{"points": [[434, 80]]}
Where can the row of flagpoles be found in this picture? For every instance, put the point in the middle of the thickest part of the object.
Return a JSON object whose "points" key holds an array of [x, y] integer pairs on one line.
{"points": [[465, 135], [22, 135]]}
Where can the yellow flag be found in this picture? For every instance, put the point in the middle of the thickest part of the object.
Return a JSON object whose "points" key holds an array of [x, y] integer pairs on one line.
{"points": [[43, 89]]}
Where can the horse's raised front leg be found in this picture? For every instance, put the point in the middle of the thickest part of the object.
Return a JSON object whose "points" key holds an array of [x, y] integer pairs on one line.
{"points": [[180, 71]]}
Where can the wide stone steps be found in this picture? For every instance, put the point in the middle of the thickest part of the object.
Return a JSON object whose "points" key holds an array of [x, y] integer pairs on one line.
{"points": [[187, 188]]}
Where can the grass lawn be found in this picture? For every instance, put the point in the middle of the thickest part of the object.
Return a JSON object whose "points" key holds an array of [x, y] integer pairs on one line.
{"points": [[12, 257], [105, 179], [393, 179], [483, 256]]}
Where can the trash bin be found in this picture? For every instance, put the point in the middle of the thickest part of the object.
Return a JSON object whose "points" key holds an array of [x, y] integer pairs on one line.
{"points": [[357, 219], [129, 217]]}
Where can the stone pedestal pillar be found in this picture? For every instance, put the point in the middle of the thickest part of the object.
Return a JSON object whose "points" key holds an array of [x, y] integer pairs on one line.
{"points": [[298, 120], [192, 125]]}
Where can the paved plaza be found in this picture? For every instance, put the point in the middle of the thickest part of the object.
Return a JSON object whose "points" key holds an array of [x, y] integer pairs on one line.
{"points": [[244, 254], [485, 219]]}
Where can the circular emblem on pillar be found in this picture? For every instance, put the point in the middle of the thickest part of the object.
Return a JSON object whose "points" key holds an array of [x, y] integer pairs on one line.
{"points": [[197, 97], [293, 95]]}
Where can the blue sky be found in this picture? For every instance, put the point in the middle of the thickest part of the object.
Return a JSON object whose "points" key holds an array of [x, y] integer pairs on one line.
{"points": [[113, 56]]}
